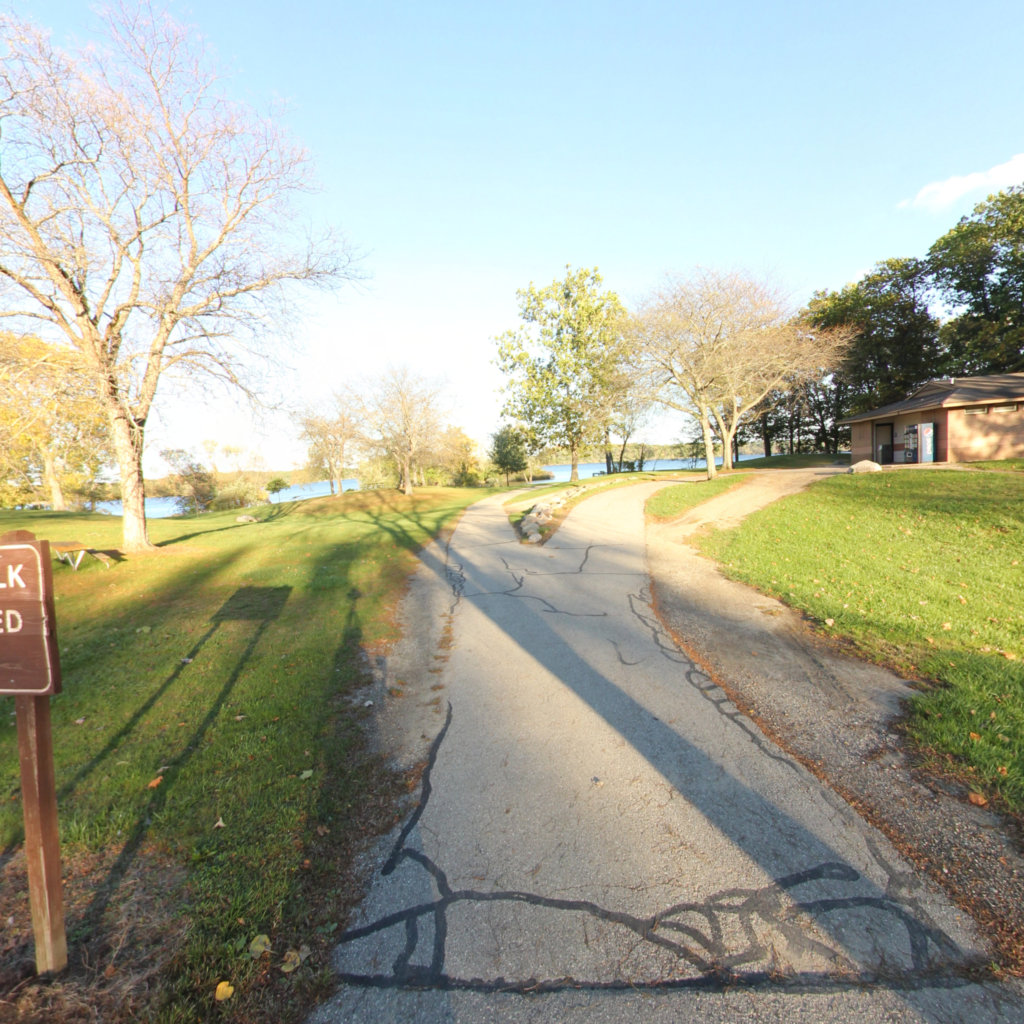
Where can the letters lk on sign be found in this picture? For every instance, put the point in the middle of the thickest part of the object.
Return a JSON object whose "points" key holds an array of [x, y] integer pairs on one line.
{"points": [[13, 577]]}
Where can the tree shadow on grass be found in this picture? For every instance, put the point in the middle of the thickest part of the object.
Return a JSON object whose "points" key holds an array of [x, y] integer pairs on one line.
{"points": [[259, 605]]}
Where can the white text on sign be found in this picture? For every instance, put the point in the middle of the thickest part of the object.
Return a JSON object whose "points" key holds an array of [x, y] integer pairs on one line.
{"points": [[13, 577], [10, 621]]}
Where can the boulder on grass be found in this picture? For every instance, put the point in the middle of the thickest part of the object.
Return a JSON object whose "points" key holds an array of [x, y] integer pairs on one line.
{"points": [[865, 466]]}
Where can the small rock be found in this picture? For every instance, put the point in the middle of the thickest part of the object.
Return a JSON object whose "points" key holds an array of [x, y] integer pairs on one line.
{"points": [[865, 466]]}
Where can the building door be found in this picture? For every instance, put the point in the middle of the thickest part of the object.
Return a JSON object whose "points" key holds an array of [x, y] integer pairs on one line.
{"points": [[883, 443]]}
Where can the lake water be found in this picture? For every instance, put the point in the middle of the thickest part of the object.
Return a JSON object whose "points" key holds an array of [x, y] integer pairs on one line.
{"points": [[160, 508], [589, 469]]}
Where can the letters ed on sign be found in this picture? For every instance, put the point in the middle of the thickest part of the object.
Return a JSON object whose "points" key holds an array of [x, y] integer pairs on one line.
{"points": [[28, 642]]}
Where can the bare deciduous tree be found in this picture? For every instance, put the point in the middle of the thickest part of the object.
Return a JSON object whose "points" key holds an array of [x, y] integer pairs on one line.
{"points": [[141, 216], [331, 440], [401, 416], [716, 344]]}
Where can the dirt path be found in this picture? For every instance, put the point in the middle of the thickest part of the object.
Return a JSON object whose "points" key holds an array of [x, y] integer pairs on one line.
{"points": [[837, 714]]}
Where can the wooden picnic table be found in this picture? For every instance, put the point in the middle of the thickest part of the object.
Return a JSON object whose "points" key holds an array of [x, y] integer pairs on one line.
{"points": [[73, 551]]}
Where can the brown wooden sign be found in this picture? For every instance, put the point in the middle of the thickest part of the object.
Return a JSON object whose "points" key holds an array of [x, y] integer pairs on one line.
{"points": [[30, 670], [29, 663]]}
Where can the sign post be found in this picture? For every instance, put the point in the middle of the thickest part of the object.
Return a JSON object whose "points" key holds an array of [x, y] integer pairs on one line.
{"points": [[30, 671]]}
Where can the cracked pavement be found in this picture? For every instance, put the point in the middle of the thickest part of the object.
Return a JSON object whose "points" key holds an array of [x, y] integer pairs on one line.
{"points": [[600, 832]]}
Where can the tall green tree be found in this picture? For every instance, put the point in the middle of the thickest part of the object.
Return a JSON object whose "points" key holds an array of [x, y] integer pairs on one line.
{"points": [[508, 450], [895, 344], [978, 269], [564, 362]]}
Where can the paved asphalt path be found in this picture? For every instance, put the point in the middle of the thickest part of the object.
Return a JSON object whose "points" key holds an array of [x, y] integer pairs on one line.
{"points": [[602, 836]]}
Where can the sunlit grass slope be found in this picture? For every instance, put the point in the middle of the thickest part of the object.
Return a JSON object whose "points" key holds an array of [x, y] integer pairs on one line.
{"points": [[208, 711], [923, 569]]}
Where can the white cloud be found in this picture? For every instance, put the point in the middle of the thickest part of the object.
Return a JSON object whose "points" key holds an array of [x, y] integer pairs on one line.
{"points": [[938, 195]]}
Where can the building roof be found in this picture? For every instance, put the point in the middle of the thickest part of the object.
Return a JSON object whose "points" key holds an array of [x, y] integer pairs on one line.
{"points": [[951, 393]]}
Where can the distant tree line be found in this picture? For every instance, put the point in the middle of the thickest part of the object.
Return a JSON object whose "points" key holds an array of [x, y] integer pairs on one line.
{"points": [[725, 351]]}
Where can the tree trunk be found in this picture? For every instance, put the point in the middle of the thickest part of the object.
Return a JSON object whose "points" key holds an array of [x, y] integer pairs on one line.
{"points": [[726, 450], [709, 446], [766, 436], [574, 458], [52, 483], [406, 470], [128, 443], [608, 452], [622, 452]]}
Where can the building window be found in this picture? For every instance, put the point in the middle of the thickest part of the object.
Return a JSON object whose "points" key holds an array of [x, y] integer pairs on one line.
{"points": [[975, 410], [1008, 407]]}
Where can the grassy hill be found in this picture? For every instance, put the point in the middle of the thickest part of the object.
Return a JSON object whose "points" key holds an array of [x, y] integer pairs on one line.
{"points": [[923, 570], [213, 782]]}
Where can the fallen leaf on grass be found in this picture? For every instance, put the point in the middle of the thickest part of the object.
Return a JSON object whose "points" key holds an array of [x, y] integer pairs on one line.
{"points": [[978, 800], [974, 736], [291, 961], [307, 774], [225, 990], [1002, 769], [259, 946], [156, 782], [219, 823]]}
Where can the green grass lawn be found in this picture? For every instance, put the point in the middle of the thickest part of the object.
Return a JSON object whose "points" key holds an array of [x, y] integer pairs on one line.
{"points": [[674, 501], [804, 461], [209, 750], [1003, 465], [923, 570]]}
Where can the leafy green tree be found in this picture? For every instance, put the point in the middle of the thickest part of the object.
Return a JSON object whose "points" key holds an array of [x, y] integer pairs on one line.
{"points": [[508, 450], [895, 345], [276, 485], [564, 361], [978, 269]]}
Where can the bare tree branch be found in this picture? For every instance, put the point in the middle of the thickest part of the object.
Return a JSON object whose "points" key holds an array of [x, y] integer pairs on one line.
{"points": [[144, 216]]}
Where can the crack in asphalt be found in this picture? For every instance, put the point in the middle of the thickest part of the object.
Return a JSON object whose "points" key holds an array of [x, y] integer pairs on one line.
{"points": [[719, 942], [695, 932], [641, 607]]}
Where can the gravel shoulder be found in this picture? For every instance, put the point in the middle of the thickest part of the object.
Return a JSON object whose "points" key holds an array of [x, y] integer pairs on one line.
{"points": [[839, 715]]}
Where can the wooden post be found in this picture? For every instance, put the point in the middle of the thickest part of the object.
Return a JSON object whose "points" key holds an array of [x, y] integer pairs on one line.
{"points": [[30, 672], [42, 840]]}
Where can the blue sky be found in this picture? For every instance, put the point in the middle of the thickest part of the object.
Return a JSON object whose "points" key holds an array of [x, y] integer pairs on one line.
{"points": [[469, 148]]}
